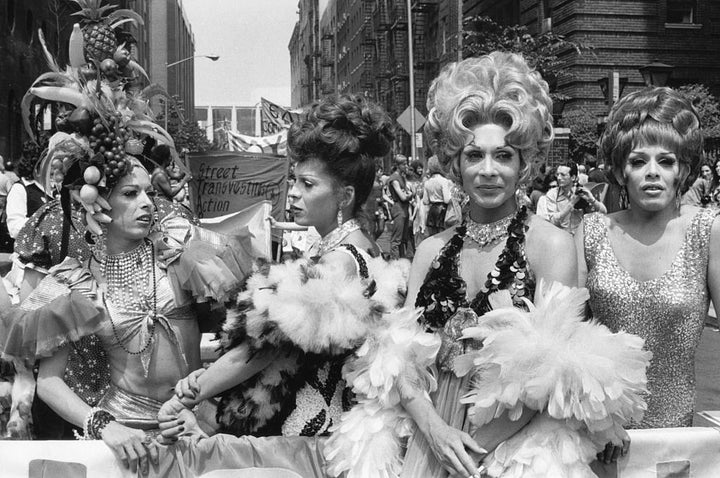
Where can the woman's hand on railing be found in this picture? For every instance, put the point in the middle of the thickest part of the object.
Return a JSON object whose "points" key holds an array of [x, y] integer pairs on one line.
{"points": [[132, 447]]}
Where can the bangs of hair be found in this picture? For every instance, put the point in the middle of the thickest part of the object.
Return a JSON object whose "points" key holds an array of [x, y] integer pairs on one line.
{"points": [[657, 134]]}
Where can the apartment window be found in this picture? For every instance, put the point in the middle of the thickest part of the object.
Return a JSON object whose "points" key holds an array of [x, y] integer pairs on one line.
{"points": [[681, 11]]}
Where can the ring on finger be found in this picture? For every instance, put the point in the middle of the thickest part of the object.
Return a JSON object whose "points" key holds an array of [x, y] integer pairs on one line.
{"points": [[147, 439]]}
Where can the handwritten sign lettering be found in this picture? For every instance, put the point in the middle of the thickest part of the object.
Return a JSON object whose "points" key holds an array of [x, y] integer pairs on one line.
{"points": [[225, 182]]}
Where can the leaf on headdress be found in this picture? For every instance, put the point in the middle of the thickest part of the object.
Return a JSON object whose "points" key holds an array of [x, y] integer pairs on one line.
{"points": [[52, 64]]}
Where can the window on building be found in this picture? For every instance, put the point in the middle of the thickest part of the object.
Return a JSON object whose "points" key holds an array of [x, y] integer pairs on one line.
{"points": [[545, 15], [681, 11]]}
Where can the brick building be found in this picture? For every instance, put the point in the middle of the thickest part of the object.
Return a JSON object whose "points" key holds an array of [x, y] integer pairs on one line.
{"points": [[625, 36], [363, 48], [361, 36], [304, 46]]}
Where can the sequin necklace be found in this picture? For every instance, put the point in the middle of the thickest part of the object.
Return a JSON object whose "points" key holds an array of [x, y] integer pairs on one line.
{"points": [[128, 286], [486, 234], [335, 237]]}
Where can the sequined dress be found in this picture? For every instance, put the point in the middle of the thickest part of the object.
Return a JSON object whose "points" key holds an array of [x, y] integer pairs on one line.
{"points": [[668, 312], [448, 311]]}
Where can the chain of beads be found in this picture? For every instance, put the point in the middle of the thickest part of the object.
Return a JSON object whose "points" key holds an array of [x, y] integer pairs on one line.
{"points": [[127, 290]]}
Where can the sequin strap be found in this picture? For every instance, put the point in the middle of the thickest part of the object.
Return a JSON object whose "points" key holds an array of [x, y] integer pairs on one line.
{"points": [[700, 230], [362, 266], [593, 229]]}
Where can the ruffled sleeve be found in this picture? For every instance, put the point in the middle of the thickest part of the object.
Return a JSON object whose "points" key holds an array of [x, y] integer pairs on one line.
{"points": [[208, 264], [59, 311]]}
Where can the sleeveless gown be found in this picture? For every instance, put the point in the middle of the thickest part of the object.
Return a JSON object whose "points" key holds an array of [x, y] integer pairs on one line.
{"points": [[668, 312], [443, 296]]}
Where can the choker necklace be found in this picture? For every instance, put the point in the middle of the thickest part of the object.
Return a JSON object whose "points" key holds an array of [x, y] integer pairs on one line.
{"points": [[486, 234], [336, 236]]}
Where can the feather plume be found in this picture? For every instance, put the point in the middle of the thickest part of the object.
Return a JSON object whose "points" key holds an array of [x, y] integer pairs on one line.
{"points": [[394, 361], [550, 360]]}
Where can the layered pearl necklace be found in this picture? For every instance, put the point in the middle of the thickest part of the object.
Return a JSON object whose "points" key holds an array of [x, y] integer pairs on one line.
{"points": [[130, 286], [487, 234], [335, 237]]}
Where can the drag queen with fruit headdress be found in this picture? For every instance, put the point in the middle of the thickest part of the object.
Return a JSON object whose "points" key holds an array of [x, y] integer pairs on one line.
{"points": [[137, 289], [299, 345], [525, 387]]}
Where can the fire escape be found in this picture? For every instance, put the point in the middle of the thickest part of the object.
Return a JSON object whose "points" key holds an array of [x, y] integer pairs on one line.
{"points": [[327, 64]]}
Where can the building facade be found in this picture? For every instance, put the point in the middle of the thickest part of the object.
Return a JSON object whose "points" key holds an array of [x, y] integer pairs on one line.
{"points": [[624, 35], [363, 46], [304, 46], [170, 39]]}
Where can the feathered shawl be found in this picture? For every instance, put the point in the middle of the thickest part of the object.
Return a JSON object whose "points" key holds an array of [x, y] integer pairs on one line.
{"points": [[585, 381], [305, 310]]}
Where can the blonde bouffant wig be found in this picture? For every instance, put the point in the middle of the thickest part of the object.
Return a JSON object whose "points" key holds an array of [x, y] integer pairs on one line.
{"points": [[498, 88]]}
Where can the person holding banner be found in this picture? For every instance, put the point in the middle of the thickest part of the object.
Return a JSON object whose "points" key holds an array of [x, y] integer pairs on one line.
{"points": [[290, 343]]}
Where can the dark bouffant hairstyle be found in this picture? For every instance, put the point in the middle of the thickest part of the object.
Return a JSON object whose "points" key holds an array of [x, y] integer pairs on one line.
{"points": [[659, 116], [347, 133]]}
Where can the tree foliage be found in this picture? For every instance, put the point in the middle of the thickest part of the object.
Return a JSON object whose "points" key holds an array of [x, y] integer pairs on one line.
{"points": [[542, 51], [186, 134], [583, 132], [707, 106]]}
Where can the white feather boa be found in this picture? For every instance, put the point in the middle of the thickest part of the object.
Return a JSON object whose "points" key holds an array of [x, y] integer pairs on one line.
{"points": [[394, 361], [585, 380], [319, 307]]}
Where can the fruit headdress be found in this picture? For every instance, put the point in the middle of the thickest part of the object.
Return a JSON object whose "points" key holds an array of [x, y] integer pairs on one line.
{"points": [[103, 116]]}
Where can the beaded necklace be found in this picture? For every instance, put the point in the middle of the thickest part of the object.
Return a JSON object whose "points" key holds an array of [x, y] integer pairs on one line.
{"points": [[336, 236], [443, 291], [128, 287]]}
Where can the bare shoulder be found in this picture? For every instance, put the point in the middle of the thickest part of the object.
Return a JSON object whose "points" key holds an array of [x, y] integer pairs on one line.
{"points": [[431, 246], [547, 237]]}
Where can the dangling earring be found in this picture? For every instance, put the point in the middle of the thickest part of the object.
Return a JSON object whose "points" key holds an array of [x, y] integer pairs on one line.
{"points": [[678, 198], [339, 216], [624, 201]]}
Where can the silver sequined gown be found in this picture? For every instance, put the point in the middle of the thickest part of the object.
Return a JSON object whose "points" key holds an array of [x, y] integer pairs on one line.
{"points": [[668, 312]]}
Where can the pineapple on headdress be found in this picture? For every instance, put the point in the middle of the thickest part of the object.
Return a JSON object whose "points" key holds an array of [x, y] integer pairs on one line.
{"points": [[98, 25]]}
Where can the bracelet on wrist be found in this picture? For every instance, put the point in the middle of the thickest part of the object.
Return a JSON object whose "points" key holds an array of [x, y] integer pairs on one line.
{"points": [[95, 421]]}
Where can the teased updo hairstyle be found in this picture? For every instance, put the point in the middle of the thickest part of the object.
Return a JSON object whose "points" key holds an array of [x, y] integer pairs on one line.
{"points": [[654, 116], [499, 88], [347, 133]]}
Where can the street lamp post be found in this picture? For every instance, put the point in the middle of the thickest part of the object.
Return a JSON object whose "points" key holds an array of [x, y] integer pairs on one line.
{"points": [[167, 67], [656, 73]]}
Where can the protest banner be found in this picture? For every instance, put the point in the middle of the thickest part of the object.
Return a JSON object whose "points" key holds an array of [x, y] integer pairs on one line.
{"points": [[225, 182], [273, 144], [274, 118]]}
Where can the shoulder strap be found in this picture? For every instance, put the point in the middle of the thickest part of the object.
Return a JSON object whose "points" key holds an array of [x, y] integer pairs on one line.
{"points": [[593, 230], [361, 262]]}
